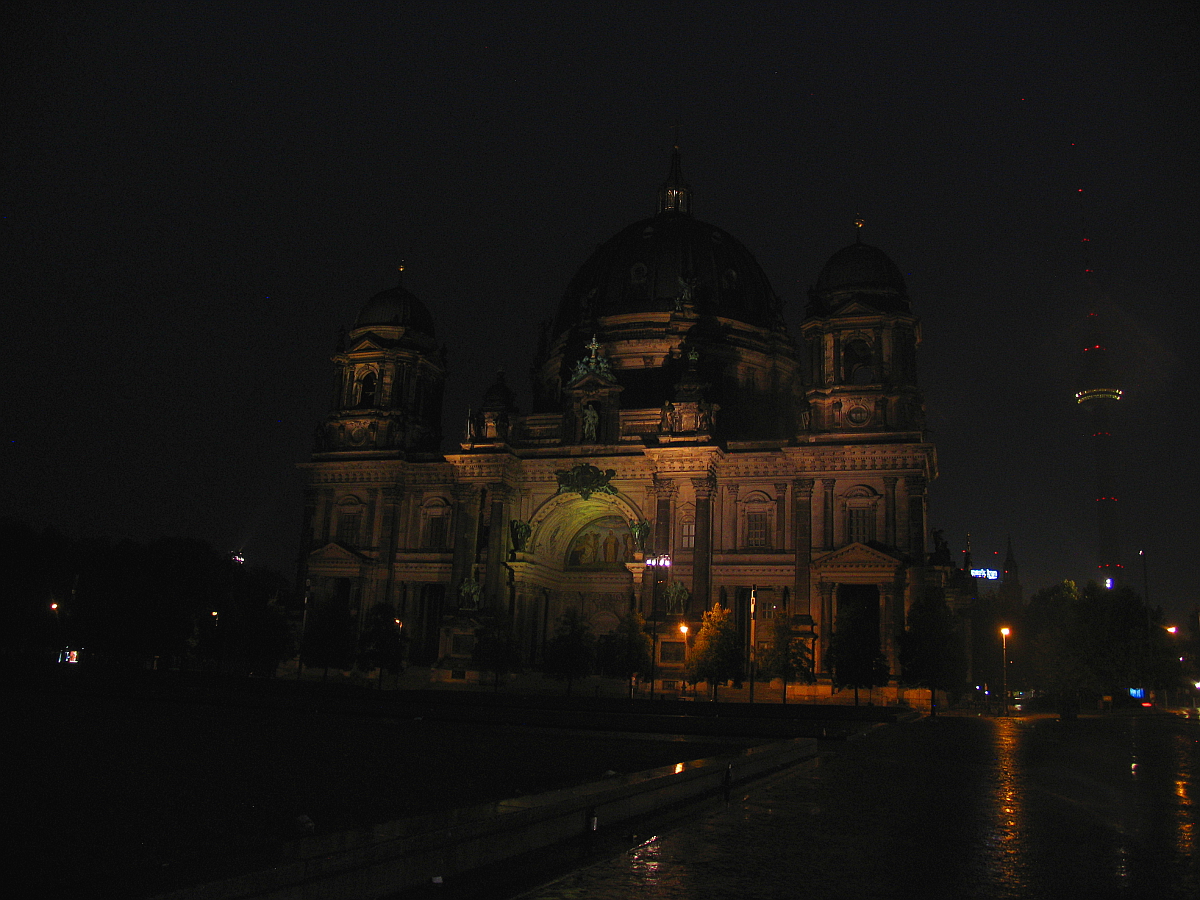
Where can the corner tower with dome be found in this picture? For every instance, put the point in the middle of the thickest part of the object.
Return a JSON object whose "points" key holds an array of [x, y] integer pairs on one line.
{"points": [[680, 450]]}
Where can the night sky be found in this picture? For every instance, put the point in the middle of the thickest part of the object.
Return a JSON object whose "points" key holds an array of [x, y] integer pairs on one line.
{"points": [[197, 196]]}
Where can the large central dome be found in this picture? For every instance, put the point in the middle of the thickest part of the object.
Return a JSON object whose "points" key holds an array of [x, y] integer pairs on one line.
{"points": [[657, 263], [669, 301]]}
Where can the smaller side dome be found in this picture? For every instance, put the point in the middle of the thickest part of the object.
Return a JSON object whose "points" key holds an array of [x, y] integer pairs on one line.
{"points": [[860, 266], [396, 307], [860, 272]]}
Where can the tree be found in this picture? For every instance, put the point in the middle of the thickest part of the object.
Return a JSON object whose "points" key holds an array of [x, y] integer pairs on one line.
{"points": [[329, 637], [931, 648], [571, 653], [789, 657], [495, 648], [855, 655], [381, 644], [626, 652], [716, 656]]}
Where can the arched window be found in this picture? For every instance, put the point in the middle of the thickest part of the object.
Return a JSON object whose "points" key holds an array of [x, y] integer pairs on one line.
{"points": [[349, 525], [859, 362], [687, 534], [367, 389], [435, 524], [758, 512], [862, 505]]}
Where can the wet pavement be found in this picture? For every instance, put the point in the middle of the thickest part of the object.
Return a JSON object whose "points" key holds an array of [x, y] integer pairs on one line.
{"points": [[952, 807]]}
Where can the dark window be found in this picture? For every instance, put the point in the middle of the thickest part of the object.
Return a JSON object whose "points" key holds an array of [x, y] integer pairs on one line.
{"points": [[756, 529], [367, 396], [672, 651]]}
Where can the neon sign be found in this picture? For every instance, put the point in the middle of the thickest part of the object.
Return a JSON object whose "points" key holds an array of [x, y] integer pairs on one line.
{"points": [[989, 574]]}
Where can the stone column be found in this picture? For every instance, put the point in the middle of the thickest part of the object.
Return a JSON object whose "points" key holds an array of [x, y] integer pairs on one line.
{"points": [[828, 511], [702, 556], [802, 490], [915, 485], [889, 628], [889, 510], [466, 534], [780, 515], [825, 624], [665, 491], [730, 524], [389, 535], [493, 579]]}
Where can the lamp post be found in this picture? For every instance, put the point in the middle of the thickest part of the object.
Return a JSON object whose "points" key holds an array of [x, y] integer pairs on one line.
{"points": [[683, 630], [657, 564], [753, 619], [1004, 633]]}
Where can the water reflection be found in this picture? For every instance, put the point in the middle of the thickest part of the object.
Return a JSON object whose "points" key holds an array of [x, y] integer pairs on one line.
{"points": [[1185, 826], [1006, 830]]}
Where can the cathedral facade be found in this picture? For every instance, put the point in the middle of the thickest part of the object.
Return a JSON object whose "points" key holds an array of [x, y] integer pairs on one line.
{"points": [[679, 435]]}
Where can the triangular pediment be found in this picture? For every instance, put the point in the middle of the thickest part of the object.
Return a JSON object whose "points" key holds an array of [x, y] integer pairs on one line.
{"points": [[857, 308], [366, 344], [593, 383], [856, 556], [333, 552]]}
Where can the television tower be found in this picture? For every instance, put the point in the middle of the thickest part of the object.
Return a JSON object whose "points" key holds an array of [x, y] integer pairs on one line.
{"points": [[1098, 393]]}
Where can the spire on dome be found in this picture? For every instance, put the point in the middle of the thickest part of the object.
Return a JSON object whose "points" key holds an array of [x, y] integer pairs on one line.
{"points": [[675, 194]]}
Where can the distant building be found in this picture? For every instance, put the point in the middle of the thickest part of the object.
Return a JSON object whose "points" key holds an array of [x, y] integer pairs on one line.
{"points": [[673, 415]]}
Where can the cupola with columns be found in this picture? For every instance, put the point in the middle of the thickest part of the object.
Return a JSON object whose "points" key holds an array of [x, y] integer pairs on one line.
{"points": [[862, 338], [389, 380]]}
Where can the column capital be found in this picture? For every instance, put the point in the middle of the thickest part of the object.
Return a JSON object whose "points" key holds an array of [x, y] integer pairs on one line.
{"points": [[498, 490], [664, 488], [915, 484], [705, 487], [803, 487], [464, 493]]}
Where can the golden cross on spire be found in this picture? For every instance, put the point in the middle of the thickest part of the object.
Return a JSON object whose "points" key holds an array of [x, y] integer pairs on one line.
{"points": [[593, 346]]}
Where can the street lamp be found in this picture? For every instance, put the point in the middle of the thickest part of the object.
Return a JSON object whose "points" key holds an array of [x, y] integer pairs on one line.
{"points": [[683, 630], [1004, 633], [657, 564], [753, 636]]}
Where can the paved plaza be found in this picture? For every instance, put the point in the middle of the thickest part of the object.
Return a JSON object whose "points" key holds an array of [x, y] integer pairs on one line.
{"points": [[954, 807]]}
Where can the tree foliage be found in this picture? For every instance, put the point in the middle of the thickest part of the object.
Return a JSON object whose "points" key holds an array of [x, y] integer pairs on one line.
{"points": [[329, 640], [571, 652], [381, 644], [496, 648], [789, 656], [625, 653], [138, 604], [716, 656], [856, 656], [932, 650]]}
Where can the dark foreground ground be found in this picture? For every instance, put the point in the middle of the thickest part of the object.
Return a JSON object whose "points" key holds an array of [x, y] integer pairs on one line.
{"points": [[128, 787], [953, 808]]}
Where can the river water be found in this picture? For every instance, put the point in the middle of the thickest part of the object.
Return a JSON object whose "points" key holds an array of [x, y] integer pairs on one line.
{"points": [[952, 807]]}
